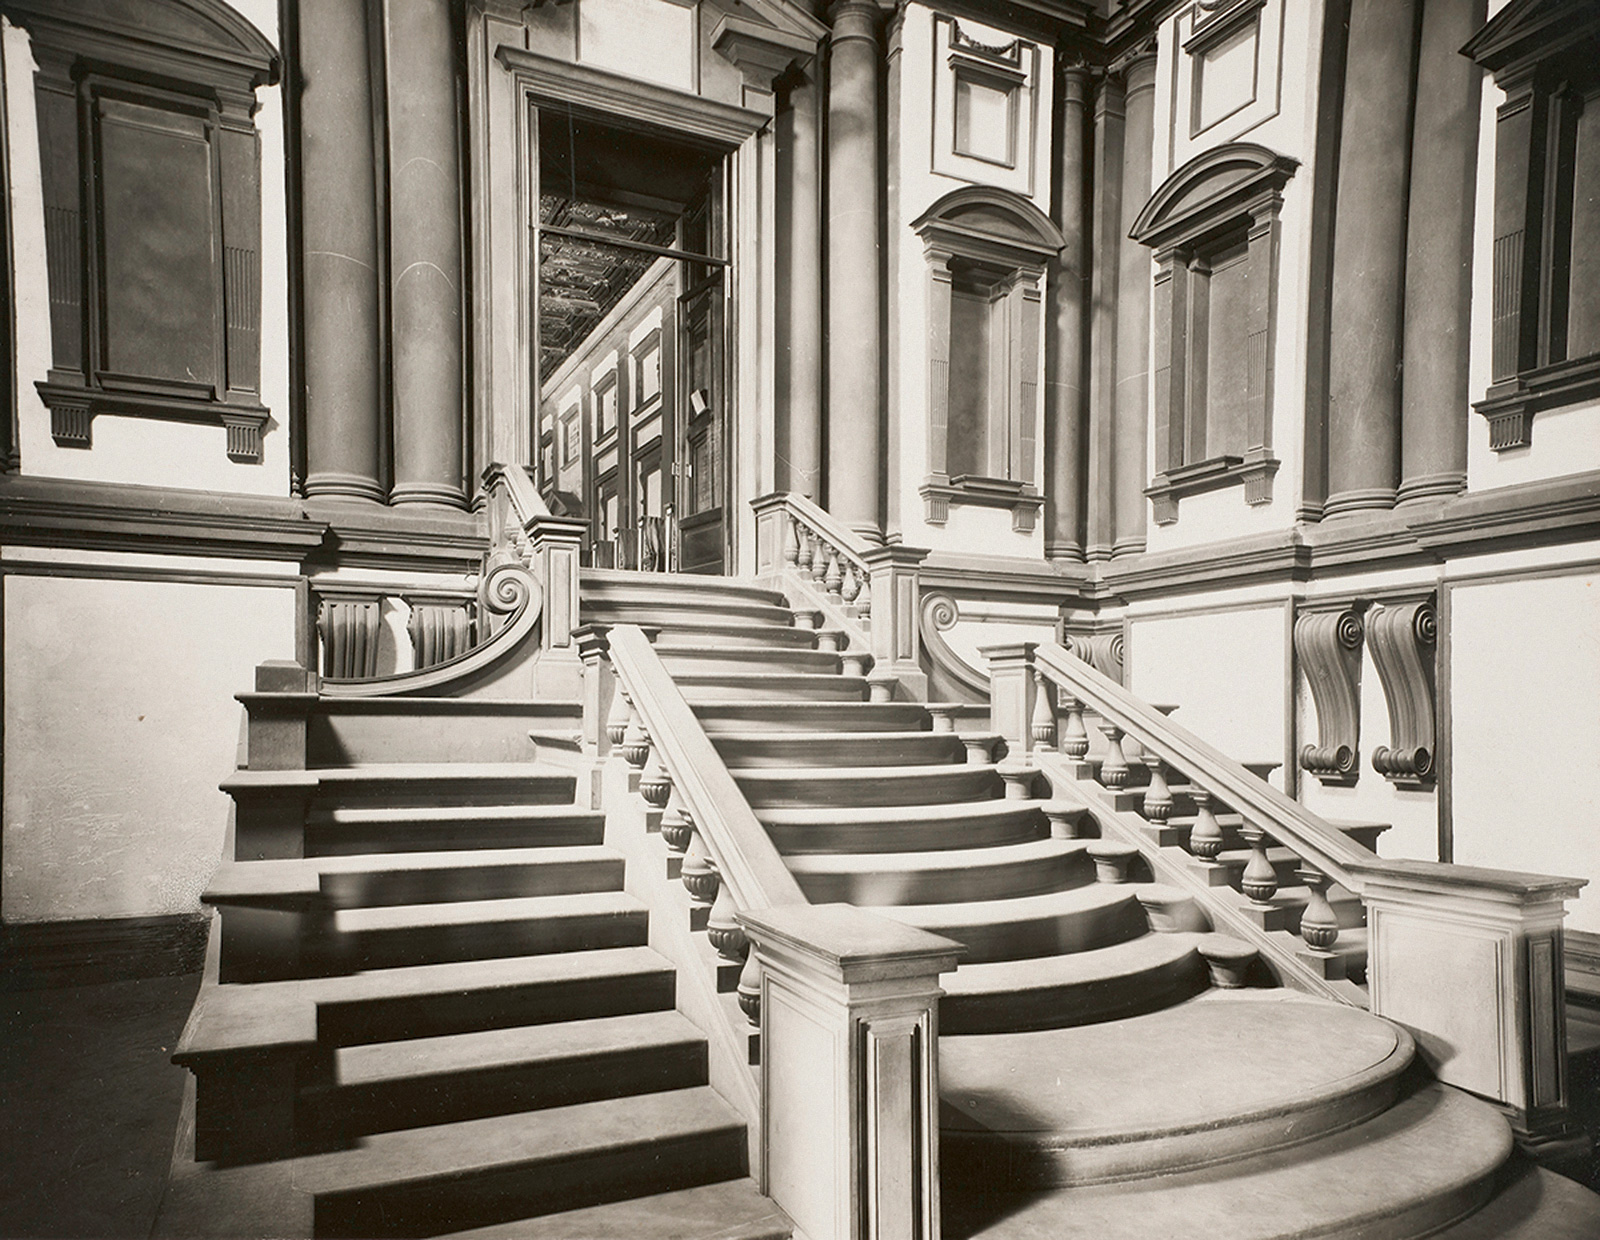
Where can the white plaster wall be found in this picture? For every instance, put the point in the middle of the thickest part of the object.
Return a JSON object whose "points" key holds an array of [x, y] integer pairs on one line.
{"points": [[970, 529], [142, 450], [1224, 671], [119, 723], [1526, 729], [1285, 121]]}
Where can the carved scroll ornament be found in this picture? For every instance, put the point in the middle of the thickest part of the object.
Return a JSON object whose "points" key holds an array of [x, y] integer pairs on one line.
{"points": [[1402, 637], [1328, 646]]}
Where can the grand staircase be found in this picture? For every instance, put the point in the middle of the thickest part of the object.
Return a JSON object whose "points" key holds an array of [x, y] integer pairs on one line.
{"points": [[431, 1009]]}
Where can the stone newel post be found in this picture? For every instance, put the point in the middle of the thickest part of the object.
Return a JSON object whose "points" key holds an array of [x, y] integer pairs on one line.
{"points": [[850, 1070]]}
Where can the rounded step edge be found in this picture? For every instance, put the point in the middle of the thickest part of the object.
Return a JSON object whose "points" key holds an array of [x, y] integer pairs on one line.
{"points": [[1360, 1079]]}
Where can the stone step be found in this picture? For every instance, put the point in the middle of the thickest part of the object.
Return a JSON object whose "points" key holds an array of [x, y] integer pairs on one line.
{"points": [[365, 879], [410, 784], [690, 660], [422, 1181], [729, 1210], [1532, 1204], [771, 687], [1046, 992], [331, 832], [1222, 1077], [385, 1086], [693, 588], [362, 731], [822, 749], [1424, 1163], [691, 630], [800, 787], [656, 610], [893, 829], [719, 715], [1003, 872], [412, 934], [1079, 919]]}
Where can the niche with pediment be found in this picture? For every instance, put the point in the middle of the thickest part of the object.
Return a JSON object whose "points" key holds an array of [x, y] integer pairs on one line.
{"points": [[986, 252]]}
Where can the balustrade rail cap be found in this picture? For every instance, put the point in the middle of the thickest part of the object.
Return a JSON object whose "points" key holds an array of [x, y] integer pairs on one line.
{"points": [[1437, 877], [851, 944]]}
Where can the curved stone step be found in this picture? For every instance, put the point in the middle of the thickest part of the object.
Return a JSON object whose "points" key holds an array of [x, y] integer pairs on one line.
{"points": [[1532, 1204], [696, 587], [1219, 1078], [771, 687], [384, 1086], [1139, 975], [730, 1210], [689, 660], [798, 787], [691, 630], [1426, 1162], [1006, 871], [892, 829], [651, 611], [823, 749], [719, 715], [362, 830], [1079, 919], [413, 934]]}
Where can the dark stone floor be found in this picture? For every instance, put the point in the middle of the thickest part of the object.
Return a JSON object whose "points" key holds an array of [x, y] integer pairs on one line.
{"points": [[89, 1104]]}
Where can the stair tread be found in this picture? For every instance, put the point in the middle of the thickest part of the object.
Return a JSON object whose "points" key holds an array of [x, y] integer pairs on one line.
{"points": [[475, 912], [266, 1014], [1073, 968], [949, 812], [447, 1151], [727, 1210], [418, 771], [1535, 1204], [824, 773], [362, 814], [300, 875], [952, 859], [1417, 1166], [599, 582], [374, 1062], [951, 918]]}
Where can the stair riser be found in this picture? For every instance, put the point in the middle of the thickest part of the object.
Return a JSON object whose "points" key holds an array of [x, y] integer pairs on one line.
{"points": [[382, 793], [345, 840], [682, 632], [822, 718], [488, 882], [513, 1190], [1082, 1004], [653, 614], [912, 749], [502, 1007], [692, 589], [752, 659], [958, 783], [999, 882], [910, 834], [1079, 931], [411, 945], [502, 1089], [354, 740], [772, 687]]}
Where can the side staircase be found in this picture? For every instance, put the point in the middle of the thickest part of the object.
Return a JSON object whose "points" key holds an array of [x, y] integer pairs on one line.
{"points": [[430, 1007]]}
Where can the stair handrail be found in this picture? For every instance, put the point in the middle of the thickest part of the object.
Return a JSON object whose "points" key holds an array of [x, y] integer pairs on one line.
{"points": [[744, 854], [1312, 838], [812, 550]]}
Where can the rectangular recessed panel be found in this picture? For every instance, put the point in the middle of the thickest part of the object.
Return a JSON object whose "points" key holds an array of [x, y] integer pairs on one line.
{"points": [[983, 119], [1225, 76]]}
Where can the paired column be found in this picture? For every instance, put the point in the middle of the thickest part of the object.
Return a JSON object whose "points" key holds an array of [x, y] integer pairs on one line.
{"points": [[855, 355], [1433, 385], [800, 467], [424, 253], [1129, 467], [339, 226], [1107, 181], [1369, 258], [1064, 337]]}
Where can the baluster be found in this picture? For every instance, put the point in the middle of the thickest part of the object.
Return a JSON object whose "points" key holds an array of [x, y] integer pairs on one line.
{"points": [[1259, 880], [1114, 769], [1074, 736], [750, 989], [617, 717], [635, 742], [1205, 840], [791, 546], [850, 588], [677, 826], [819, 560], [699, 873], [804, 551], [655, 784], [1157, 795], [833, 576], [722, 927], [1043, 730], [1319, 925], [864, 599]]}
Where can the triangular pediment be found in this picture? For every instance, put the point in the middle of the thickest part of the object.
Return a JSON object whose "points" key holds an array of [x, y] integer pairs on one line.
{"points": [[1526, 30]]}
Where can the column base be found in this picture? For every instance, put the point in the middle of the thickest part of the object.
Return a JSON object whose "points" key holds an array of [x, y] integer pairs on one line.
{"points": [[1368, 499], [869, 531], [323, 482], [1125, 547], [1432, 486], [428, 493], [1068, 550]]}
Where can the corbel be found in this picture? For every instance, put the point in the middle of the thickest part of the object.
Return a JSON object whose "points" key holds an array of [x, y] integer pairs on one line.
{"points": [[1327, 645], [1403, 637]]}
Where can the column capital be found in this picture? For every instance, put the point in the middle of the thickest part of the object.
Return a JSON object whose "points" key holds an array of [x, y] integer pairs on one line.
{"points": [[855, 19]]}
